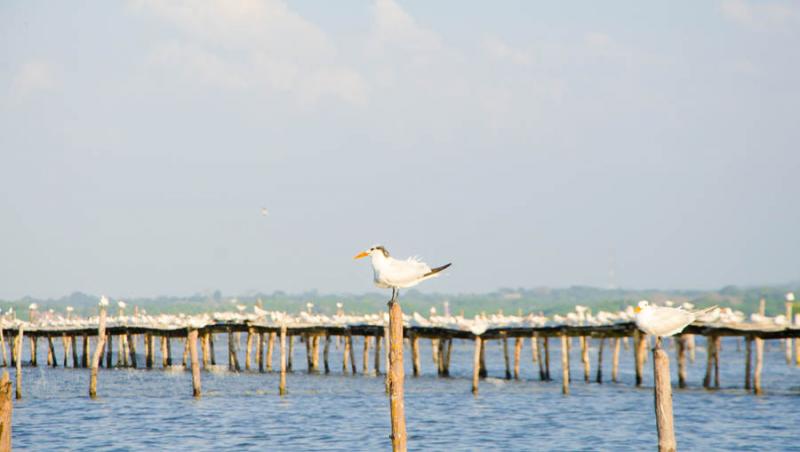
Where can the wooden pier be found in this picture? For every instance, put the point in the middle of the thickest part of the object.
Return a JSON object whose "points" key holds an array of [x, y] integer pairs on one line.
{"points": [[130, 338]]}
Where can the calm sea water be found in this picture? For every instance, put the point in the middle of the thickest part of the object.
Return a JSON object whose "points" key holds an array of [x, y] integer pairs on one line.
{"points": [[142, 410]]}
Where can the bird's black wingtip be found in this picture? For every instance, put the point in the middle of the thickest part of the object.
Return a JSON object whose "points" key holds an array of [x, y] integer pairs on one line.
{"points": [[438, 269]]}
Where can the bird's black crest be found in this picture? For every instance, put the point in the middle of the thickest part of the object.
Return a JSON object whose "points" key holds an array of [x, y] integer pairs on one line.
{"points": [[383, 250]]}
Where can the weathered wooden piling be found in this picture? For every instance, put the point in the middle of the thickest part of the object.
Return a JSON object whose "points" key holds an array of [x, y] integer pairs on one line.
{"points": [[192, 340], [615, 360], [85, 355], [131, 342], [260, 351], [564, 364], [5, 354], [546, 344], [483, 371], [680, 346], [759, 365], [640, 351], [315, 352], [282, 385], [74, 346], [748, 350], [233, 360], [415, 355], [387, 339], [710, 348], [517, 354], [98, 352], [599, 377], [476, 365], [52, 352], [109, 351], [536, 351], [352, 350], [290, 353], [34, 351], [164, 353], [585, 358], [346, 353], [18, 361], [150, 346], [270, 347], [248, 348], [186, 351], [325, 350], [663, 400], [505, 357], [6, 409], [396, 377], [211, 355], [377, 352], [788, 340], [365, 357]]}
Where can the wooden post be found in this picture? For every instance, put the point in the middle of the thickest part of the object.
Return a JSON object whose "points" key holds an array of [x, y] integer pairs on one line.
{"points": [[435, 351], [309, 344], [5, 354], [289, 354], [346, 353], [109, 351], [325, 352], [98, 352], [483, 372], [415, 355], [564, 364], [6, 408], [132, 349], [681, 350], [34, 350], [52, 352], [204, 350], [85, 357], [599, 377], [387, 340], [615, 360], [690, 344], [191, 338], [476, 365], [211, 355], [640, 351], [663, 400], [352, 349], [233, 360], [365, 357], [74, 345], [270, 347], [717, 347], [151, 348], [248, 349], [505, 355], [64, 346], [282, 387], [537, 355], [315, 352], [169, 351], [759, 365], [18, 360], [709, 361], [748, 351], [517, 353], [396, 377], [186, 351], [585, 358], [546, 344], [164, 353], [260, 352], [377, 361]]}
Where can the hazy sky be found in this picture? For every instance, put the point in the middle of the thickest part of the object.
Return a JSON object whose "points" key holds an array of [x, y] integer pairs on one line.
{"points": [[530, 143]]}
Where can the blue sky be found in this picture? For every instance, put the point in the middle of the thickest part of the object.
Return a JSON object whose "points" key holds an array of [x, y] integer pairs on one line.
{"points": [[530, 143]]}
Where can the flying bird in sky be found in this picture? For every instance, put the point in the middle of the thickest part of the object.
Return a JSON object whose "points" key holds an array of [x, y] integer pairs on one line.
{"points": [[396, 274]]}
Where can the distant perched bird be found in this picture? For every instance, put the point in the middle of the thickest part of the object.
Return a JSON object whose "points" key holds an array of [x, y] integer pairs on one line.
{"points": [[396, 274], [264, 211], [665, 321]]}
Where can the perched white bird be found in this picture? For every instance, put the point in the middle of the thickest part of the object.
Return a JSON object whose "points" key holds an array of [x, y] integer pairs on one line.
{"points": [[391, 273], [103, 301], [264, 211], [665, 321]]}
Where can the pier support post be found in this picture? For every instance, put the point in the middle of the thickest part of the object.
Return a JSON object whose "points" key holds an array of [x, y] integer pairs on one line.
{"points": [[85, 357], [346, 353], [639, 350], [759, 365], [415, 355], [476, 365], [260, 351], [483, 371], [396, 377], [109, 351], [52, 352], [517, 353], [788, 340], [191, 338], [248, 349], [132, 349], [18, 361], [615, 360], [599, 377], [663, 400], [290, 353], [98, 352], [270, 348], [282, 386], [377, 355], [564, 364], [546, 344], [537, 354], [680, 344], [505, 356], [211, 355], [6, 408], [352, 349], [585, 358], [325, 350], [748, 351]]}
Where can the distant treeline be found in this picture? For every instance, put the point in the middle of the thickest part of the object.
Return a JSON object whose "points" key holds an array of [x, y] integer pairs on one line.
{"points": [[510, 301]]}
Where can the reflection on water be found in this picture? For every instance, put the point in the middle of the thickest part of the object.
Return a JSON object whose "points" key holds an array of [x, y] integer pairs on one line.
{"points": [[154, 410]]}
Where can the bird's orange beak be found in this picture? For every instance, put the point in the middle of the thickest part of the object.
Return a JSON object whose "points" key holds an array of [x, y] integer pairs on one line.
{"points": [[637, 309], [360, 255]]}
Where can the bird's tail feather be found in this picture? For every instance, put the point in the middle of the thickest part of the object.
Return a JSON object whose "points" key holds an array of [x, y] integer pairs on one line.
{"points": [[436, 270], [700, 312]]}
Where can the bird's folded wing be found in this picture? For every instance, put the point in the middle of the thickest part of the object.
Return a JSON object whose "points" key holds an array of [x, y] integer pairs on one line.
{"points": [[404, 271], [669, 319]]}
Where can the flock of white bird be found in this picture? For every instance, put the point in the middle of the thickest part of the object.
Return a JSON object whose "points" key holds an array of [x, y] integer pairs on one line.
{"points": [[581, 315]]}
